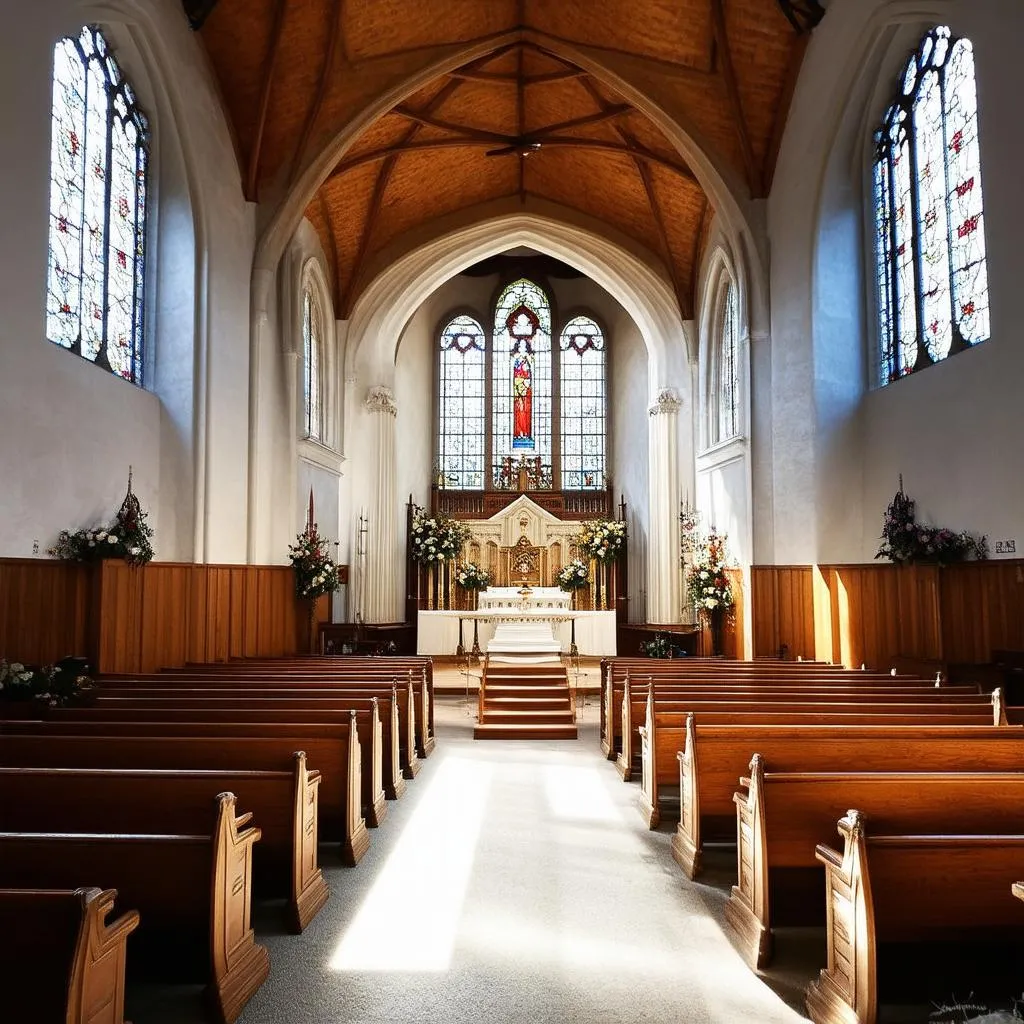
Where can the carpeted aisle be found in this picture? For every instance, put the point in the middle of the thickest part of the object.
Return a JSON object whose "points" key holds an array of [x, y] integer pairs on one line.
{"points": [[514, 882]]}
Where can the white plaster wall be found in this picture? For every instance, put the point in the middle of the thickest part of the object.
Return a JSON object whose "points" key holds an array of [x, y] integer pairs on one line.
{"points": [[70, 430], [953, 430]]}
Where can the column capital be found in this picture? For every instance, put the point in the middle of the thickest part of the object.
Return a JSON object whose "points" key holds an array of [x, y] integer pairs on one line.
{"points": [[667, 402], [381, 399]]}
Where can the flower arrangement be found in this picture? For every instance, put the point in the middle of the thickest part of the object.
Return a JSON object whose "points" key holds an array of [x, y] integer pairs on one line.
{"points": [[127, 536], [905, 541], [436, 538], [708, 586], [316, 573], [601, 539], [54, 685], [659, 647], [575, 575], [470, 576]]}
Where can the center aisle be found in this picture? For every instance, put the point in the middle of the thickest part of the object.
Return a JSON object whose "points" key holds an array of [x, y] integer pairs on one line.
{"points": [[513, 882]]}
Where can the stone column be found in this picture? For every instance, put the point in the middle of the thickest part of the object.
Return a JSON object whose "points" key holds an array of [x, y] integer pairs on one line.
{"points": [[385, 564], [663, 574]]}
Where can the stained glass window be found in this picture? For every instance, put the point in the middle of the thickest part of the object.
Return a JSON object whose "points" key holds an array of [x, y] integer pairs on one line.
{"points": [[932, 272], [728, 366], [462, 434], [98, 193], [521, 374], [582, 378], [312, 347]]}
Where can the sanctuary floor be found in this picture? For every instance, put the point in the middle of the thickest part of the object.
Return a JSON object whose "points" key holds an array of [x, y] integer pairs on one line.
{"points": [[514, 882]]}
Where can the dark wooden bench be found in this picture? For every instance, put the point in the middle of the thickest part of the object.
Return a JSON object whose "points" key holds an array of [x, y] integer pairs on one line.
{"points": [[193, 894], [714, 757], [905, 888], [366, 719], [752, 675], [782, 816], [664, 734], [144, 800], [333, 749], [63, 961], [669, 697], [399, 754]]}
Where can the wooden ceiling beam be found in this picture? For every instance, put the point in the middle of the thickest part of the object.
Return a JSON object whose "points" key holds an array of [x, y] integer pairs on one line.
{"points": [[608, 114], [554, 142], [645, 176], [521, 109], [796, 59], [269, 63], [467, 131], [378, 58], [321, 89], [733, 93]]}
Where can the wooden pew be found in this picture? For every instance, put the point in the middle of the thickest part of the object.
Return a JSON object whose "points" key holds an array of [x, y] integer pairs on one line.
{"points": [[334, 749], [399, 754], [782, 817], [671, 696], [328, 671], [742, 674], [905, 888], [149, 801], [715, 756], [664, 735], [367, 722], [193, 894], [62, 960]]}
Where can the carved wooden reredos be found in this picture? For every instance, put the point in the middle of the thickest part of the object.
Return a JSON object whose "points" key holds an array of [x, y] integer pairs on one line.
{"points": [[522, 544]]}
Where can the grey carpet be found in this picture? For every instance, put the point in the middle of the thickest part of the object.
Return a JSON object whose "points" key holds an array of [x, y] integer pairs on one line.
{"points": [[514, 882]]}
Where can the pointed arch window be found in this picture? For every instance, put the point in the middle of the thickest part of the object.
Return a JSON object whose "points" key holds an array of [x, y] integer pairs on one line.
{"points": [[312, 361], [99, 157], [510, 414], [462, 421], [582, 377], [728, 384], [932, 270]]}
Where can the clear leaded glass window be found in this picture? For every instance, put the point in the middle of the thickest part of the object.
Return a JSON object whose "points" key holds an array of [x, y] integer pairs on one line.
{"points": [[312, 350], [521, 375], [98, 192], [462, 434], [728, 366], [582, 378], [932, 273]]}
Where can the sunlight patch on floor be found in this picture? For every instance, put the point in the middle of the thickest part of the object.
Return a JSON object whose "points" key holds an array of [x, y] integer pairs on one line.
{"points": [[424, 879], [578, 794]]}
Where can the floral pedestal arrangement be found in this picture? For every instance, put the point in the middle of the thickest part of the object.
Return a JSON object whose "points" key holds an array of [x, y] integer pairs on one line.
{"points": [[710, 589], [316, 574]]}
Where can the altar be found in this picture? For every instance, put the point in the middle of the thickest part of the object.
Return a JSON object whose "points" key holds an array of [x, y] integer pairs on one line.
{"points": [[522, 598], [437, 632]]}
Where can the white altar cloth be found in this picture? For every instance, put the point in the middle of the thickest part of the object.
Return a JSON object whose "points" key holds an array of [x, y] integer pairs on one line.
{"points": [[509, 597], [438, 632]]}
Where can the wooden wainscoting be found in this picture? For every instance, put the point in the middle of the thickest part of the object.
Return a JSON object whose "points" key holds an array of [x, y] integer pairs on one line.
{"points": [[162, 615], [868, 614]]}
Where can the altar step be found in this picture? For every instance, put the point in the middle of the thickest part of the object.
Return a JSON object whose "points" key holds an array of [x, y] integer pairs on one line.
{"points": [[525, 702]]}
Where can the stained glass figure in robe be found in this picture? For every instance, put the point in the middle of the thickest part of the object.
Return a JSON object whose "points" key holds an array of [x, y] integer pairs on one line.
{"points": [[522, 325]]}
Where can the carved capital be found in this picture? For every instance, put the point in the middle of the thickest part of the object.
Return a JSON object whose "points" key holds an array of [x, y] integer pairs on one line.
{"points": [[381, 399], [667, 402]]}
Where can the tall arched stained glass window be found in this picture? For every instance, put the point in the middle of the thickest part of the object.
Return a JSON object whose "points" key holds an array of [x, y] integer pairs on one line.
{"points": [[582, 378], [462, 434], [728, 366], [521, 377], [932, 273], [98, 192], [312, 361]]}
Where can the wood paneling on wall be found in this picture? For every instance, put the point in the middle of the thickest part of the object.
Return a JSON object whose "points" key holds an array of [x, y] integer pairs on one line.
{"points": [[160, 616], [869, 614], [783, 609], [44, 609]]}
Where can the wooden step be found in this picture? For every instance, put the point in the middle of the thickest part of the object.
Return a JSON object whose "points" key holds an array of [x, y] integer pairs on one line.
{"points": [[485, 731], [559, 703], [528, 692], [527, 717]]}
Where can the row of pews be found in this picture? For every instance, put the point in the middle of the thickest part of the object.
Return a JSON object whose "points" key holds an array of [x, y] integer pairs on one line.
{"points": [[923, 781], [184, 795]]}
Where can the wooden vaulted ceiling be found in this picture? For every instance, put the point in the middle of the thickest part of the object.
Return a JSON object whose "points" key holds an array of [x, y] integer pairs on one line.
{"points": [[521, 121]]}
